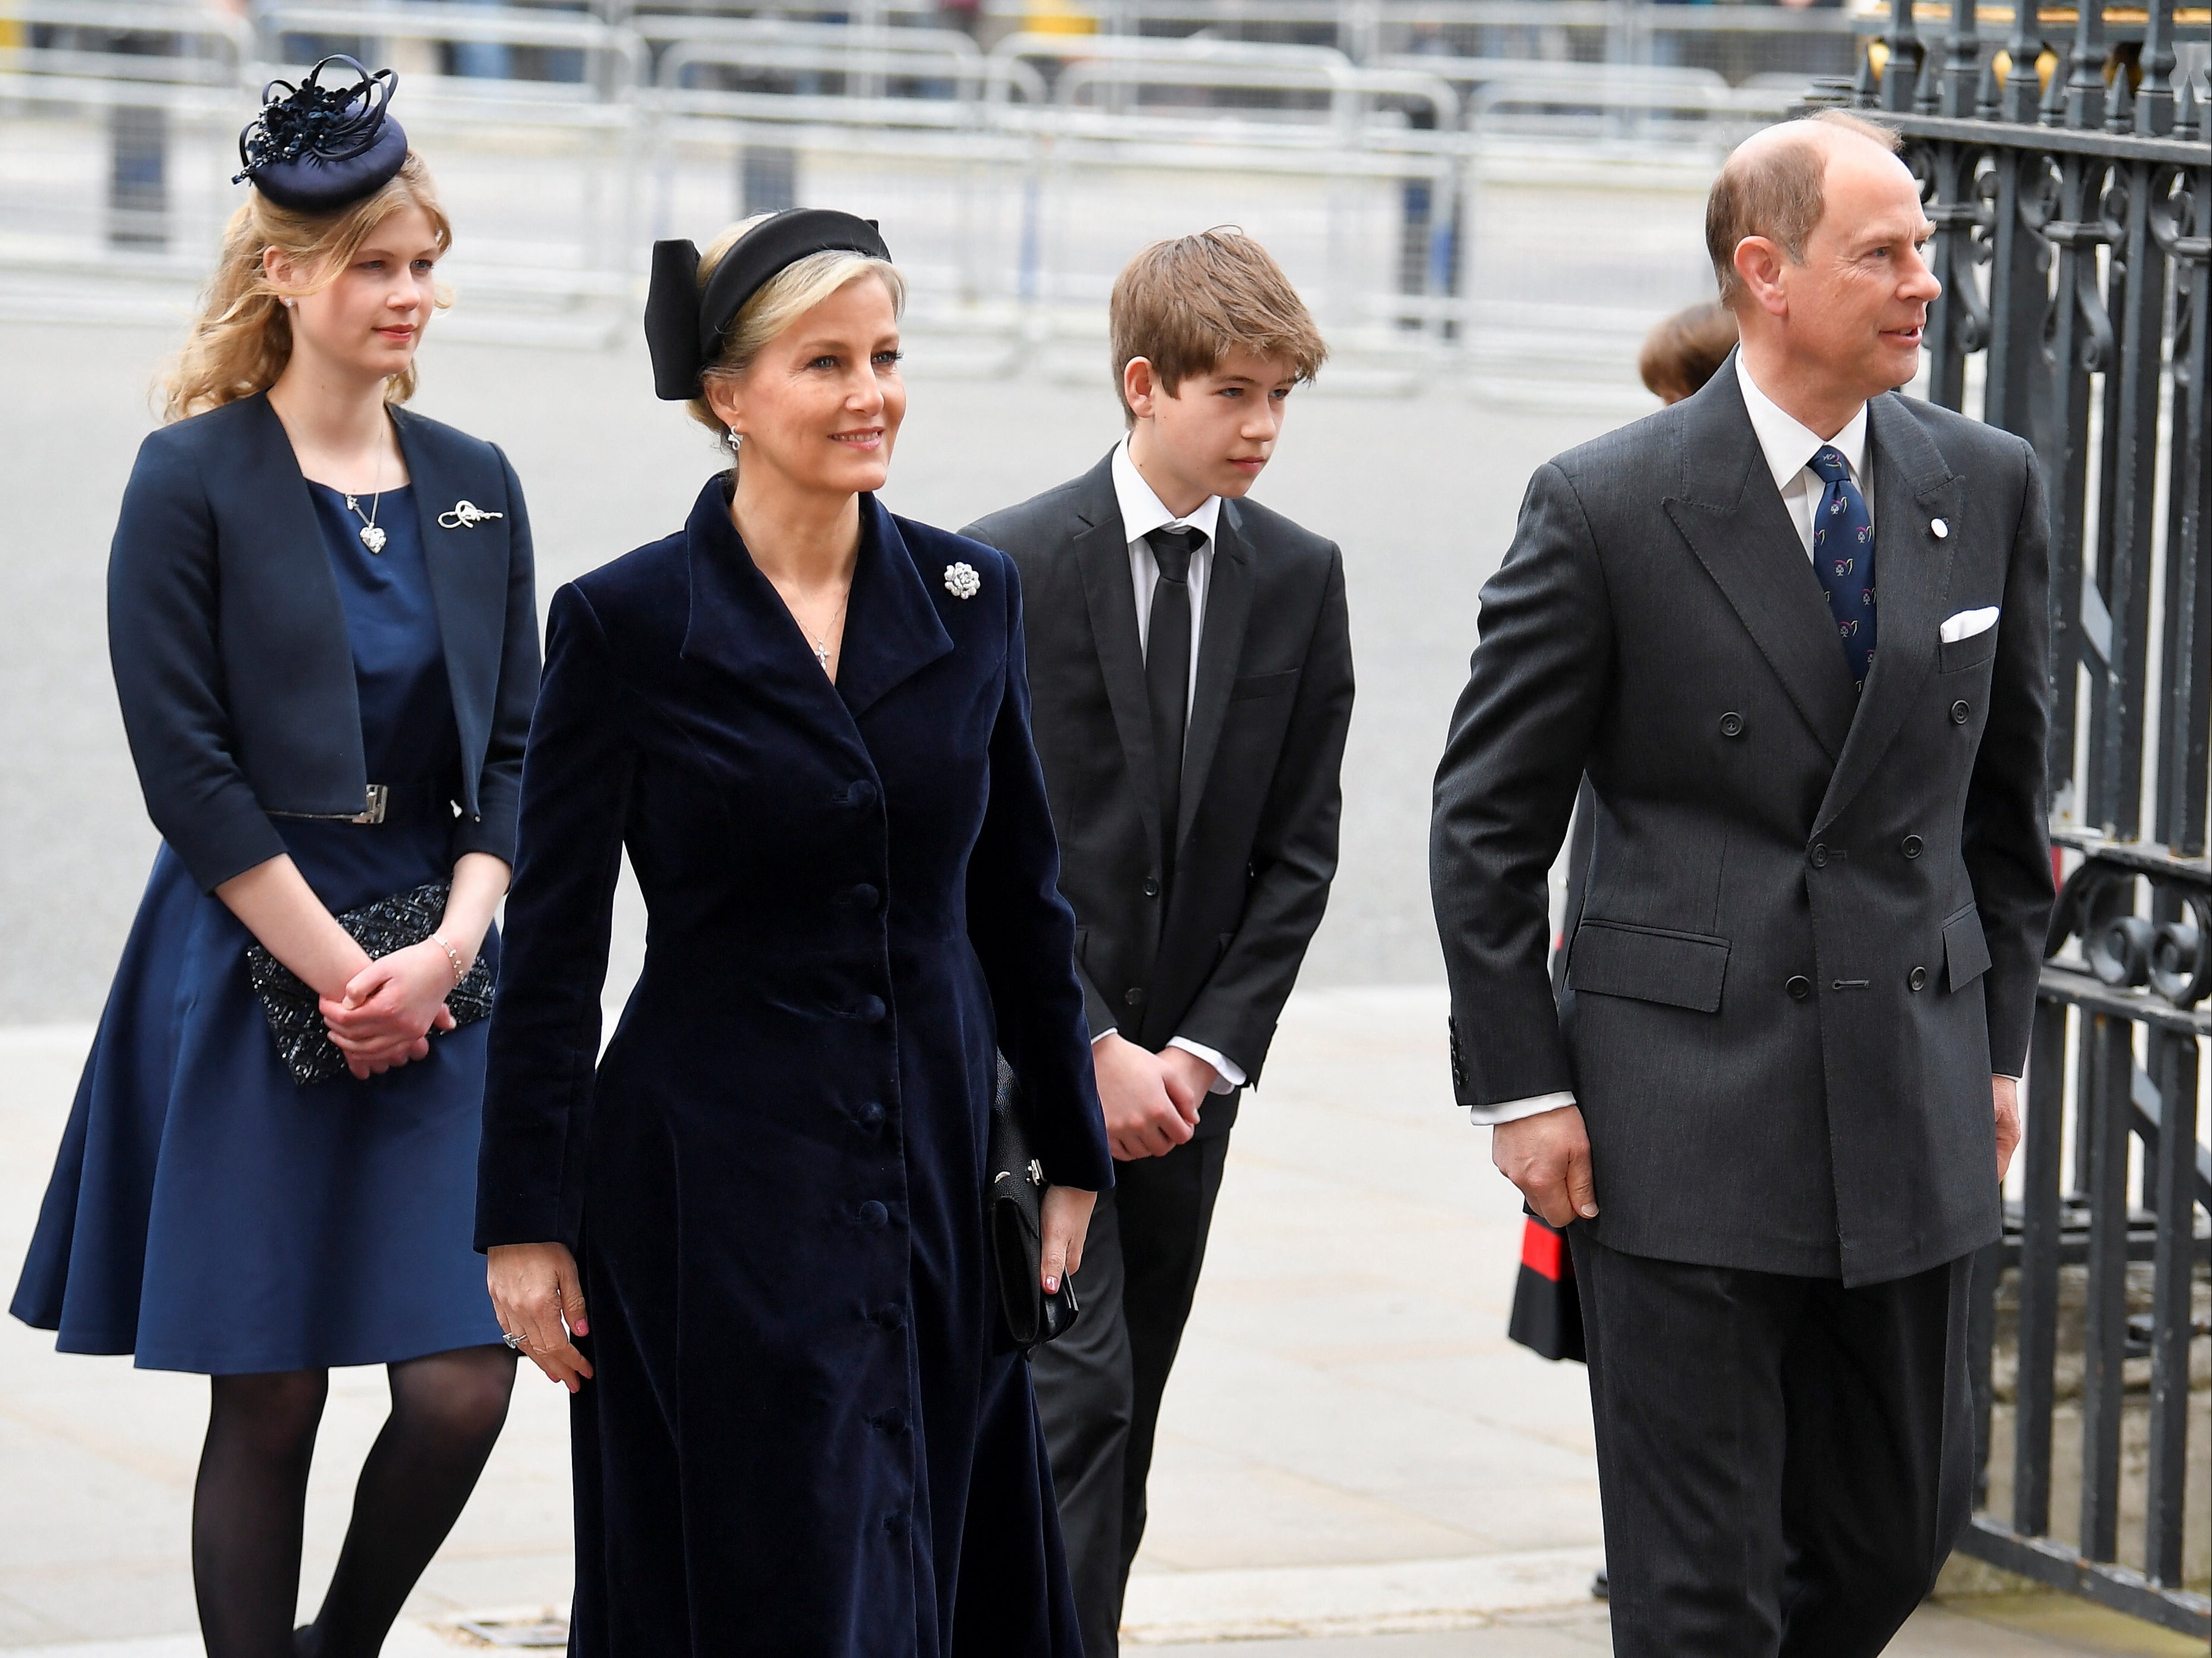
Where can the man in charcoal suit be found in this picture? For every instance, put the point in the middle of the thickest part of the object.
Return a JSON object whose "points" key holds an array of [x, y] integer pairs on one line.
{"points": [[1794, 629]]}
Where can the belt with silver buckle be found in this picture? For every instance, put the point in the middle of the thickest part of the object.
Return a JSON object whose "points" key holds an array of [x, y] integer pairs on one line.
{"points": [[385, 803]]}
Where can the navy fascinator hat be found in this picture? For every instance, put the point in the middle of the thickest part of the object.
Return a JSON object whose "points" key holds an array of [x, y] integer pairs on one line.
{"points": [[316, 149]]}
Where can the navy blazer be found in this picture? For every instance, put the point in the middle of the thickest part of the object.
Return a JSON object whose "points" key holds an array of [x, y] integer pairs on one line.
{"points": [[228, 639]]}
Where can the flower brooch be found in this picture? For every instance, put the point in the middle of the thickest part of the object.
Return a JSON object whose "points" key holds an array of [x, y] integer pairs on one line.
{"points": [[962, 581]]}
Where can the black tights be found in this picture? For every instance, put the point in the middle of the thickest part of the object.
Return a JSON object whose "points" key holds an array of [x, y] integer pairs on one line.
{"points": [[250, 1505]]}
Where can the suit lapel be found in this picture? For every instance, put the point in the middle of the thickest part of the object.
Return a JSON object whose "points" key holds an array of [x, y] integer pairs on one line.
{"points": [[468, 572], [1228, 610], [892, 630], [1912, 486], [1102, 554], [1732, 516]]}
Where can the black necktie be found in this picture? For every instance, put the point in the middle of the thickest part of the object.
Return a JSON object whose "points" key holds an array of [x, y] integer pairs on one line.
{"points": [[1167, 675]]}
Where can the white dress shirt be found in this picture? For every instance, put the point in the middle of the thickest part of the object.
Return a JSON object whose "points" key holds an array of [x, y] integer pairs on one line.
{"points": [[1142, 513], [1788, 448]]}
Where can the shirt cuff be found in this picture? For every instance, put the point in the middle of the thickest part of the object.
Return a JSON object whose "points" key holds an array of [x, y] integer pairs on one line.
{"points": [[1110, 1030], [1492, 1116], [1230, 1076]]}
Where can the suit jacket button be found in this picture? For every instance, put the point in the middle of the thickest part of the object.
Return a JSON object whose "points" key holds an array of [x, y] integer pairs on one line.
{"points": [[1913, 845], [1731, 724], [1134, 997], [1917, 979], [1960, 710], [1799, 987], [1151, 888], [1819, 856]]}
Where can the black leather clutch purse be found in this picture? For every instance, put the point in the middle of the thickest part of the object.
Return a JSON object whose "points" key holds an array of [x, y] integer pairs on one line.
{"points": [[1013, 1222], [294, 1011]]}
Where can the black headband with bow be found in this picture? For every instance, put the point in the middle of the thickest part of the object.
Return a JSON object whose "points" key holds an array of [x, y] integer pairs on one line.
{"points": [[685, 329], [316, 149]]}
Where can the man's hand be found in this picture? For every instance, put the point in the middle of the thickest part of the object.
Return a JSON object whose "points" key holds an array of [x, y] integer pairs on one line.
{"points": [[1143, 1119], [1547, 1156], [2005, 1091]]}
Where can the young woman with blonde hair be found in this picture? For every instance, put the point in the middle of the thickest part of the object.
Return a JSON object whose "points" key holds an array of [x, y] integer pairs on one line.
{"points": [[324, 641], [751, 1236]]}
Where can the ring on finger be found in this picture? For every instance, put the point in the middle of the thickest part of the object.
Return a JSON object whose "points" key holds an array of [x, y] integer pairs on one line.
{"points": [[514, 1339]]}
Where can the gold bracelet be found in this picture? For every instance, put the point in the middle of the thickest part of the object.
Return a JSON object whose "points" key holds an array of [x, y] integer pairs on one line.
{"points": [[451, 954]]}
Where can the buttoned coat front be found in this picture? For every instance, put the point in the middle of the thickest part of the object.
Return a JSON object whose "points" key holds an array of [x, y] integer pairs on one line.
{"points": [[800, 1440], [1813, 918]]}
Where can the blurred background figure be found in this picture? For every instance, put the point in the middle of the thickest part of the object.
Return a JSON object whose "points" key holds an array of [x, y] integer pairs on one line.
{"points": [[1686, 350]]}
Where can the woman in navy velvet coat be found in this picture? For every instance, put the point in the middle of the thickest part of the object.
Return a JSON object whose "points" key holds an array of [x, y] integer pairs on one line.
{"points": [[806, 721]]}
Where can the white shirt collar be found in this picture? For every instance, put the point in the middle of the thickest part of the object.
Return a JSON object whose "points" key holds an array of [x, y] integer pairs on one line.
{"points": [[1789, 446], [1142, 512]]}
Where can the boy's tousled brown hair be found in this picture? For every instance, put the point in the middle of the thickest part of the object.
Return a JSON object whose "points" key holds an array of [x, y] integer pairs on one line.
{"points": [[1186, 304], [1686, 350]]}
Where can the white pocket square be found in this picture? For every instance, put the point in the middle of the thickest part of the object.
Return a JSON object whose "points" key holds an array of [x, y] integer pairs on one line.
{"points": [[1966, 624]]}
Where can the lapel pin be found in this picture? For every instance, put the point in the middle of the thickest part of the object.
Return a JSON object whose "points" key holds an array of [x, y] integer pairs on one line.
{"points": [[466, 515], [1939, 527], [962, 581]]}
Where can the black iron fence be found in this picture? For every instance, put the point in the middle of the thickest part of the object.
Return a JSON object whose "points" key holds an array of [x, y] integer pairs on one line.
{"points": [[2066, 168]]}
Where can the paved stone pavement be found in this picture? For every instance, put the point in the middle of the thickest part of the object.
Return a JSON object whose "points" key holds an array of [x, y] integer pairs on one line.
{"points": [[1351, 1445]]}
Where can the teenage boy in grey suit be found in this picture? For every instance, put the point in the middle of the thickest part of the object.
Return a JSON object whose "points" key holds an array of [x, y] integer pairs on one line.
{"points": [[1190, 672], [1778, 1093]]}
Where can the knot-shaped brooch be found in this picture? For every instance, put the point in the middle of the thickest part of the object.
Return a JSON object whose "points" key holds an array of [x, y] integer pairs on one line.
{"points": [[466, 515], [962, 581]]}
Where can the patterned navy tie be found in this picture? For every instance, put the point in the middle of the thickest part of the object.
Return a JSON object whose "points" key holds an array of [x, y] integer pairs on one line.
{"points": [[1843, 557]]}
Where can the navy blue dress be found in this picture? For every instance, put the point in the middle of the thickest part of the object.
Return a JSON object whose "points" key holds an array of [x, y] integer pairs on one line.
{"points": [[206, 1214]]}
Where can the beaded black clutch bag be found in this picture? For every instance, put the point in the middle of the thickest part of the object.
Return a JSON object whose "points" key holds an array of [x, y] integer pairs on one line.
{"points": [[294, 1011]]}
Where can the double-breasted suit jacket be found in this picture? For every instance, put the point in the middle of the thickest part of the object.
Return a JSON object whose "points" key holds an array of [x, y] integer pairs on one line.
{"points": [[1214, 957], [1813, 918], [799, 1440]]}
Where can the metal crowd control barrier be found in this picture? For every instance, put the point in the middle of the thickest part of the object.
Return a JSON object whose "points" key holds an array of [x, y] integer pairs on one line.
{"points": [[1016, 178], [2072, 240]]}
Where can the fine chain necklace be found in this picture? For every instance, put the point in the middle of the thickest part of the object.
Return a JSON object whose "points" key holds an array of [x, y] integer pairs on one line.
{"points": [[371, 537], [821, 641]]}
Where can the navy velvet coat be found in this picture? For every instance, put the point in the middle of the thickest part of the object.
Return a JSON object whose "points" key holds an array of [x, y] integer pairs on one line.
{"points": [[800, 1440]]}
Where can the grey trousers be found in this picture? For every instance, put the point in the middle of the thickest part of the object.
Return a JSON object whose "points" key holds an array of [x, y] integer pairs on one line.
{"points": [[1098, 1387], [1783, 1463]]}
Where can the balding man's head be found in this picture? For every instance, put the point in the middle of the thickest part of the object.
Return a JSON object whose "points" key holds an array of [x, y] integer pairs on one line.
{"points": [[1771, 186]]}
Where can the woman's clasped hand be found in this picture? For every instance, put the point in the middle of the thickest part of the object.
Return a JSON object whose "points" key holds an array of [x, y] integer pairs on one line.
{"points": [[389, 1008]]}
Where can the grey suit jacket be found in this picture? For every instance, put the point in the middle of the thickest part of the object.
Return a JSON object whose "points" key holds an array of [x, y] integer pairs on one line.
{"points": [[1813, 920]]}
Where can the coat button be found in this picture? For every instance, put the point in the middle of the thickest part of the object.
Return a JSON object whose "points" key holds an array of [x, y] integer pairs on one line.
{"points": [[873, 1216], [1913, 846], [1151, 887], [892, 1421], [1819, 856], [870, 1010], [862, 793], [871, 1115], [865, 898], [1917, 979], [1959, 711], [1799, 987], [1731, 724], [889, 1316], [894, 1524], [1134, 997]]}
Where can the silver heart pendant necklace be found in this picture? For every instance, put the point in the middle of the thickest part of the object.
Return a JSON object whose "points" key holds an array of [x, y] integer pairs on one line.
{"points": [[371, 537]]}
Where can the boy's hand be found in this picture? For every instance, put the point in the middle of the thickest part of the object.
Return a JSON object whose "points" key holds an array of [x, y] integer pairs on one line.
{"points": [[1142, 1117]]}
